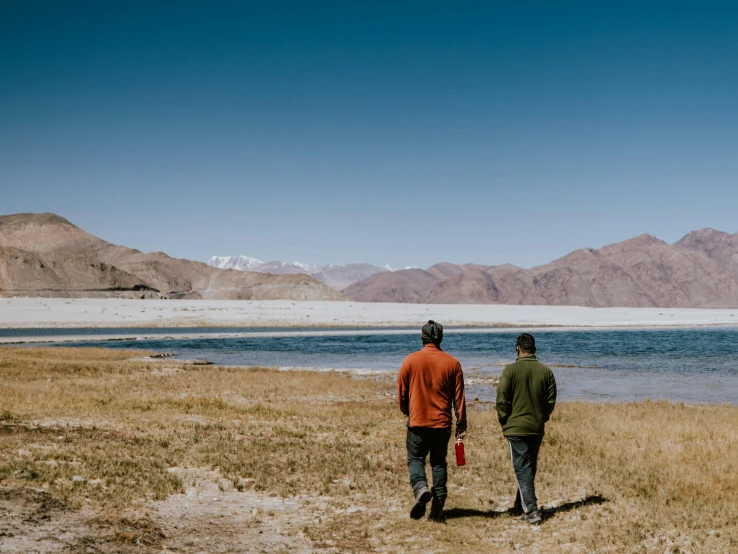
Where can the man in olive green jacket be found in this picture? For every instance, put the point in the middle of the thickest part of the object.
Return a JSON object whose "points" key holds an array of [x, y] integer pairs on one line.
{"points": [[526, 396]]}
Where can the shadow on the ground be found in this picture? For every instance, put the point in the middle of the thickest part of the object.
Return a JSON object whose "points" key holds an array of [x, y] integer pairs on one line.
{"points": [[455, 513], [568, 506]]}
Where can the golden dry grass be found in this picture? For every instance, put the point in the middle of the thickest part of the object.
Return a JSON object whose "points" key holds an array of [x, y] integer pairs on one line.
{"points": [[646, 477]]}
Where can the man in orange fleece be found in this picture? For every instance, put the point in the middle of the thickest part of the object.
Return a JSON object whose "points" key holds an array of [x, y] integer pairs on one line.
{"points": [[430, 384]]}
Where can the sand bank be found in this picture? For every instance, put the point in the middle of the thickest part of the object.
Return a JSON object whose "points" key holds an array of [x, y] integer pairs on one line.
{"points": [[88, 312]]}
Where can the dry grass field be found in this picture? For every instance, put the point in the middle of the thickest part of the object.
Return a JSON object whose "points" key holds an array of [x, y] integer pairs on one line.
{"points": [[108, 451]]}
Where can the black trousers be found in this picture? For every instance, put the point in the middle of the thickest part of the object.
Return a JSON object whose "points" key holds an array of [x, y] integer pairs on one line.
{"points": [[420, 442], [524, 455]]}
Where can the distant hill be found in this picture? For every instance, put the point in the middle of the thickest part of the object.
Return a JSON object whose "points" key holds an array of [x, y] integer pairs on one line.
{"points": [[700, 270], [404, 285], [46, 255], [716, 245], [335, 276]]}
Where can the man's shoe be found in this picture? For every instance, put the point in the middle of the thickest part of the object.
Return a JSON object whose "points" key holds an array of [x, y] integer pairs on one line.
{"points": [[436, 511], [418, 509], [534, 517]]}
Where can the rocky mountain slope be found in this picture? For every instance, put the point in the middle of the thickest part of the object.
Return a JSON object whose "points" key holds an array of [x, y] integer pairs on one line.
{"points": [[700, 270], [404, 285], [46, 255], [716, 245]]}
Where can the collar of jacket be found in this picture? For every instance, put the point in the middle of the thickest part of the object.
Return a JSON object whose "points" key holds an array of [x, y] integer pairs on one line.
{"points": [[527, 357]]}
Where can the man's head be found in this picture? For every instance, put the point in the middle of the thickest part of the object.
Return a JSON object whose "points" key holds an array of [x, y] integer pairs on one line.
{"points": [[432, 333], [526, 344]]}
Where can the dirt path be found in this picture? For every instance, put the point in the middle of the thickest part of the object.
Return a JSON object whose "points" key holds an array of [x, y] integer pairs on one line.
{"points": [[32, 521], [212, 516]]}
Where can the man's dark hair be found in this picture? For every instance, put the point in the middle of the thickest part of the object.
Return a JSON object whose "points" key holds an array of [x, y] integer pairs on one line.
{"points": [[526, 343], [432, 333]]}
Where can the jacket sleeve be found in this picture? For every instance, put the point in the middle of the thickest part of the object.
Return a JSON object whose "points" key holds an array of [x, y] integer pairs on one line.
{"points": [[403, 388], [551, 395], [460, 401], [504, 397]]}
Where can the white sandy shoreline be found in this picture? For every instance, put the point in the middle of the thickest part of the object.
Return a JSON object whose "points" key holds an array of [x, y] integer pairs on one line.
{"points": [[28, 313]]}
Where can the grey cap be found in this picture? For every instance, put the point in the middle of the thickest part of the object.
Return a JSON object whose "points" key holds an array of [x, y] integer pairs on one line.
{"points": [[432, 333]]}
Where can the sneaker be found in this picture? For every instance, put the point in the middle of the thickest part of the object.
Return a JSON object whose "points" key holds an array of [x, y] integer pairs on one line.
{"points": [[534, 517], [436, 511], [418, 510], [517, 509]]}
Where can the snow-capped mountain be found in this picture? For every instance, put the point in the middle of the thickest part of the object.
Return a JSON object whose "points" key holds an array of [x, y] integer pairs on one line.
{"points": [[242, 263], [245, 263], [281, 267], [335, 276]]}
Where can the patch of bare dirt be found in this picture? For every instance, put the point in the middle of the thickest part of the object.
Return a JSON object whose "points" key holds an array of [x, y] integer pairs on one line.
{"points": [[33, 521], [213, 516]]}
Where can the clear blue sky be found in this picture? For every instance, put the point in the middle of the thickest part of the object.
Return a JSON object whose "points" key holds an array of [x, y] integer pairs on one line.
{"points": [[388, 132]]}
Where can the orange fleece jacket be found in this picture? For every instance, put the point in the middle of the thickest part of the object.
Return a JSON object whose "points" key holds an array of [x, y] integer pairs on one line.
{"points": [[429, 384]]}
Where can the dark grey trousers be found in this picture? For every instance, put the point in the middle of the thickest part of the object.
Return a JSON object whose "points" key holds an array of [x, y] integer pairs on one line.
{"points": [[420, 442], [524, 455]]}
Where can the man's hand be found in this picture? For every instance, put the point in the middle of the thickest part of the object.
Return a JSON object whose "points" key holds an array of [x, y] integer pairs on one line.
{"points": [[460, 433]]}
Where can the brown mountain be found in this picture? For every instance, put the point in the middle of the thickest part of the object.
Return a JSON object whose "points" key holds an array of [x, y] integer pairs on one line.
{"points": [[716, 245], [46, 255], [701, 270], [404, 285], [44, 252], [445, 270]]}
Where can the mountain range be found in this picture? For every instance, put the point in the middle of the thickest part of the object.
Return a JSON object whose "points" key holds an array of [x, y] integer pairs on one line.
{"points": [[335, 276], [46, 255], [699, 270]]}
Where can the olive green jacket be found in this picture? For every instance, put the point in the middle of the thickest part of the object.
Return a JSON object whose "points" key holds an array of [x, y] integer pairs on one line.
{"points": [[526, 396]]}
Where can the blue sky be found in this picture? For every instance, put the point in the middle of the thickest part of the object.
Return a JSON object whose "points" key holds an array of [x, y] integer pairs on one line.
{"points": [[389, 132]]}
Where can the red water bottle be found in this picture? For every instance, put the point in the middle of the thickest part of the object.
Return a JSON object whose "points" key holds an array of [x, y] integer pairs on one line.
{"points": [[460, 458]]}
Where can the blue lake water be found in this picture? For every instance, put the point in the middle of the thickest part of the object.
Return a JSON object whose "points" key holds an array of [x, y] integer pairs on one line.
{"points": [[697, 365]]}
